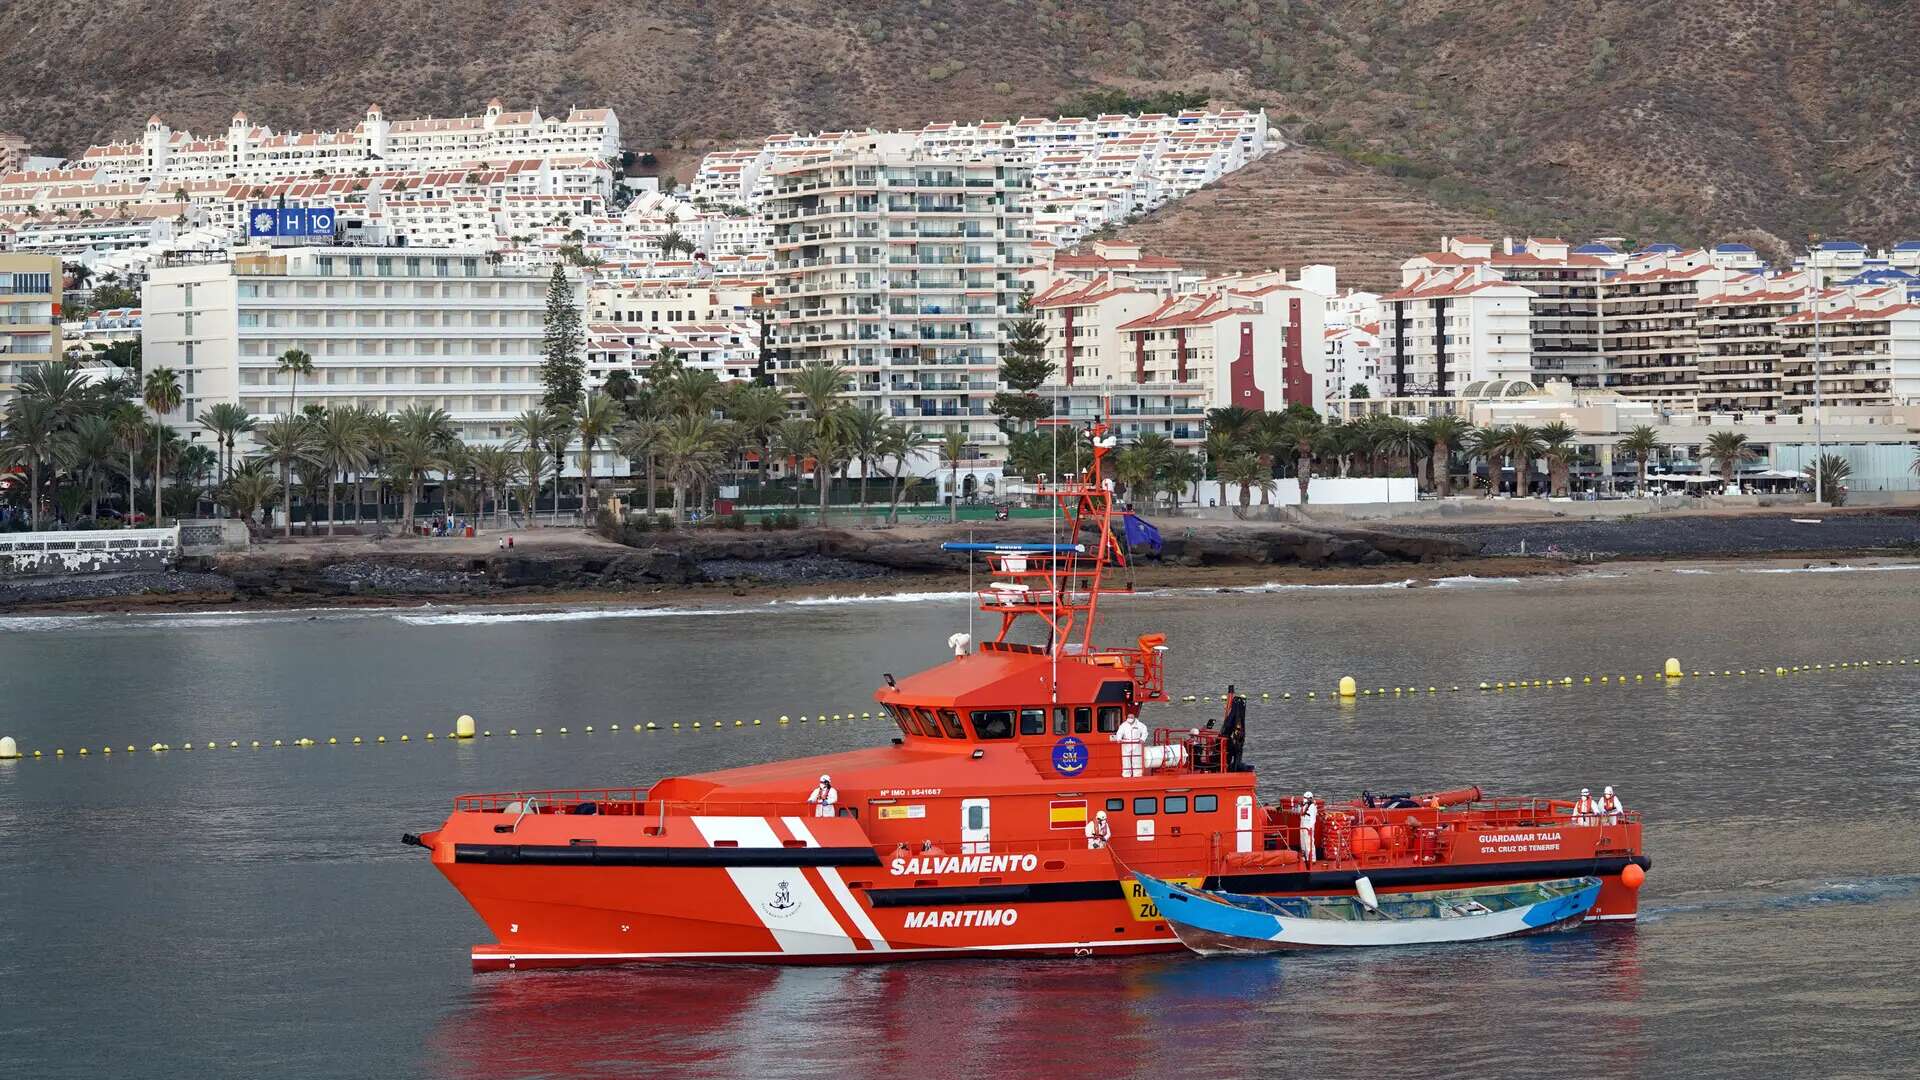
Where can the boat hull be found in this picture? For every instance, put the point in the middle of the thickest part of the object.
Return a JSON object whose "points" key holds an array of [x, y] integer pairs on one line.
{"points": [[1212, 924]]}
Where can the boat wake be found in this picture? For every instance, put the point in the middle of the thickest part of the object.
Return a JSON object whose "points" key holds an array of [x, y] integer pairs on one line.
{"points": [[1808, 895]]}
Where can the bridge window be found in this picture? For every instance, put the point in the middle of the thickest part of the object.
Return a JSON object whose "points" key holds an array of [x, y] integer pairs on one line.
{"points": [[1082, 720], [929, 725], [904, 717], [1176, 804], [1206, 804], [1146, 805], [1116, 805], [993, 723], [1033, 721], [1109, 718], [951, 721], [1060, 720]]}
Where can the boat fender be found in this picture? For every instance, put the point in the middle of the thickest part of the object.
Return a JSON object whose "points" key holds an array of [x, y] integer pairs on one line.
{"points": [[1364, 888]]}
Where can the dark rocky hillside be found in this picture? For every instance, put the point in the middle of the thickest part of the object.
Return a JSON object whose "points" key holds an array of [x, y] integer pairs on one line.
{"points": [[1766, 119]]}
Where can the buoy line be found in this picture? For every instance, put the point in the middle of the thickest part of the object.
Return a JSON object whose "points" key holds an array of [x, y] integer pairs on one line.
{"points": [[1347, 691]]}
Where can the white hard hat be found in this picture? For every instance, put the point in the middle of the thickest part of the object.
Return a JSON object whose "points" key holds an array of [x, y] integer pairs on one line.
{"points": [[825, 779], [1308, 795], [1584, 791], [1102, 815], [1608, 791]]}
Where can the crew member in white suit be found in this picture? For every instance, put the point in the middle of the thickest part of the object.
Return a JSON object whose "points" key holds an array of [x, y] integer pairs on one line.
{"points": [[1583, 808], [1098, 832], [1132, 737], [1309, 815], [1610, 807], [825, 797]]}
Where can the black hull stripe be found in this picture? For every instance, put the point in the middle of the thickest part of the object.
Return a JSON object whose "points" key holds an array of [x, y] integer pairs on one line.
{"points": [[1053, 892], [598, 855]]}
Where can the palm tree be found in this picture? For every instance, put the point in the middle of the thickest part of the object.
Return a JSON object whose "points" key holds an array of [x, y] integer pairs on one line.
{"points": [[692, 392], [428, 430], [1397, 438], [1248, 473], [1729, 449], [1914, 468], [341, 445], [620, 385], [954, 448], [190, 470], [248, 489], [903, 444], [1445, 434], [57, 383], [130, 428], [92, 450], [599, 415], [1833, 471], [1522, 444], [690, 447], [287, 441], [162, 394], [638, 440], [1303, 431], [295, 363], [1221, 448], [495, 468], [1641, 442], [226, 421], [535, 430], [34, 435], [1239, 423], [1488, 444], [411, 458], [1558, 446], [759, 411], [380, 432], [864, 430]]}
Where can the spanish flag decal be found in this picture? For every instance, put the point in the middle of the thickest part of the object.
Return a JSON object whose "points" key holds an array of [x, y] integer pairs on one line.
{"points": [[1067, 814]]}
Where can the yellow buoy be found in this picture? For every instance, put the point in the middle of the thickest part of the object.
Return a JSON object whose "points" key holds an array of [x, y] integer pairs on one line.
{"points": [[676, 725], [332, 741], [83, 751], [590, 729], [1484, 686], [1672, 670], [563, 731], [783, 716], [739, 723], [1347, 686], [756, 722], [380, 739], [650, 726], [539, 731], [356, 740], [696, 725], [463, 727], [9, 750], [429, 736]]}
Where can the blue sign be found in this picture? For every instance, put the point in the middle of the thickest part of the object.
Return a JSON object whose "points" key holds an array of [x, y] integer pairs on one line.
{"points": [[290, 221], [1069, 756]]}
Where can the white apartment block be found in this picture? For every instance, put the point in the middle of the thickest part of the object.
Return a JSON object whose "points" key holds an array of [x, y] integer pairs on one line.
{"points": [[1353, 359], [1649, 332], [1446, 328], [903, 268], [30, 291], [1142, 331], [1864, 350], [1084, 172], [387, 328], [731, 350], [661, 302], [253, 153], [1741, 350]]}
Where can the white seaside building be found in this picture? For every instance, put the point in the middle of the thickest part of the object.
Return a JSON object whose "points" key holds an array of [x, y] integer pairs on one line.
{"points": [[387, 328]]}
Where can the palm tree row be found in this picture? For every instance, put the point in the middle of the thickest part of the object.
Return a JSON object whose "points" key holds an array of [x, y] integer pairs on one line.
{"points": [[70, 434]]}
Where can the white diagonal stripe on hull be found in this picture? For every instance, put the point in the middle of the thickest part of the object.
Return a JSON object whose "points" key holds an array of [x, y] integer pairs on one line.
{"points": [[861, 920], [811, 927]]}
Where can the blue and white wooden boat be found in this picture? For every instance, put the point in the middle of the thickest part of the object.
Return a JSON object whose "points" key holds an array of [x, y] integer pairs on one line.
{"points": [[1223, 922]]}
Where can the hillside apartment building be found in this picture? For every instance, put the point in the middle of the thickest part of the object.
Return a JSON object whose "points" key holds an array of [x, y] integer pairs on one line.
{"points": [[29, 316], [903, 268]]}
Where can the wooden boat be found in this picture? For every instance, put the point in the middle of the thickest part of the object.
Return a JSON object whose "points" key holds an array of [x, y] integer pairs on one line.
{"points": [[1210, 922]]}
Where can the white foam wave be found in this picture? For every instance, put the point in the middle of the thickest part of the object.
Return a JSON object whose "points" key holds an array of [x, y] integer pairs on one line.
{"points": [[1688, 570], [508, 618], [1842, 569], [47, 622], [870, 598], [1468, 581]]}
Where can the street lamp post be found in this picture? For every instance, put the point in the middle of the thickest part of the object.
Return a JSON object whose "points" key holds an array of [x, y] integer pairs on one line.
{"points": [[1819, 445]]}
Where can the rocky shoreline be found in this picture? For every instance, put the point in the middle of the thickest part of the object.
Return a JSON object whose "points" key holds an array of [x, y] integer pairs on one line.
{"points": [[569, 567]]}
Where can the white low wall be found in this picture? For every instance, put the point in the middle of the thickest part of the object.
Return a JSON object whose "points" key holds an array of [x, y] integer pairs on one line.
{"points": [[1333, 491], [31, 554]]}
